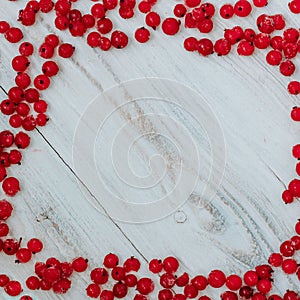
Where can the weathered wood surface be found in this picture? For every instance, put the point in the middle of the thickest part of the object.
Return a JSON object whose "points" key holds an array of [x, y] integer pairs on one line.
{"points": [[234, 231]]}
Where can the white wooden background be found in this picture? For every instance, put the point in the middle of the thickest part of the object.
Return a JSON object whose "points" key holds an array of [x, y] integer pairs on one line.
{"points": [[235, 231]]}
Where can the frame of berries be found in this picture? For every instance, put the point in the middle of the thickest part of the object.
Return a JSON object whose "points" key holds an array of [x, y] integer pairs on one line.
{"points": [[26, 110]]}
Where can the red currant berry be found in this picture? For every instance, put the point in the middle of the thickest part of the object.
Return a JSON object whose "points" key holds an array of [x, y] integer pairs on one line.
{"points": [[130, 280], [262, 41], [46, 51], [182, 280], [274, 57], [33, 283], [15, 121], [142, 35], [260, 3], [104, 43], [294, 6], [294, 187], [289, 266], [279, 21], [277, 43], [35, 245], [242, 8], [165, 294], [228, 295], [264, 285], [13, 35], [179, 10], [200, 282], [4, 280], [205, 47], [167, 280], [118, 273], [132, 264], [222, 47], [93, 290], [245, 48], [88, 21], [4, 26], [119, 39], [4, 229], [20, 63], [93, 39], [152, 20], [80, 264], [5, 210], [41, 82], [234, 282], [52, 39], [226, 11], [170, 264], [120, 290], [107, 295], [11, 186], [62, 22], [216, 278], [294, 87], [23, 109], [265, 24], [22, 80], [22, 140], [111, 260], [99, 275], [287, 249], [66, 50], [170, 26], [246, 292], [10, 246], [23, 255], [145, 286], [98, 11], [13, 288], [50, 68]]}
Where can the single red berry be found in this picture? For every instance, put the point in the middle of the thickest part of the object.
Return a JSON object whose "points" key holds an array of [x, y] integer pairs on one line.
{"points": [[205, 47], [46, 51], [99, 275], [274, 57], [179, 297], [119, 39], [132, 264], [275, 259], [33, 283], [156, 266], [26, 297], [111, 260], [294, 89], [16, 94], [41, 119], [277, 43], [4, 280], [179, 10], [80, 264], [23, 255], [165, 294], [8, 107], [234, 282], [287, 249], [170, 264], [52, 39], [93, 290], [11, 246], [205, 26], [88, 21], [222, 47], [260, 3], [228, 295], [93, 39], [50, 68], [294, 6], [5, 210], [298, 167], [289, 266], [41, 82], [291, 35], [120, 290], [20, 63], [297, 227], [262, 41], [4, 229], [40, 106], [61, 286], [35, 245], [279, 21], [98, 11], [200, 282], [167, 280], [45, 285], [15, 121], [62, 22], [190, 44], [245, 48], [142, 35], [294, 187], [13, 35], [246, 292], [190, 291], [145, 286], [192, 3], [62, 7], [22, 109], [107, 295], [153, 19], [182, 280], [110, 4], [170, 26], [13, 288], [66, 50], [264, 271], [265, 24], [31, 95], [22, 140], [11, 186], [118, 273], [264, 285], [22, 80], [130, 280], [216, 278], [226, 11], [4, 26], [242, 8]]}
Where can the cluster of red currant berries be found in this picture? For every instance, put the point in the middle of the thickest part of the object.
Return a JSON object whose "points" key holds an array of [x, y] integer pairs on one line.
{"points": [[26, 109]]}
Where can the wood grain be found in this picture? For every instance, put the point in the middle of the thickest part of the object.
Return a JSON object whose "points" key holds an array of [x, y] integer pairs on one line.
{"points": [[236, 230]]}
